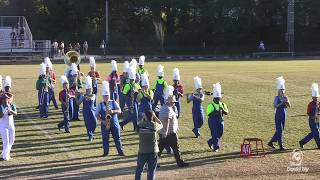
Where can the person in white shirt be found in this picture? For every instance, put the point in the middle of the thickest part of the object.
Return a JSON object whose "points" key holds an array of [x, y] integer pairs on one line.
{"points": [[7, 129], [168, 134]]}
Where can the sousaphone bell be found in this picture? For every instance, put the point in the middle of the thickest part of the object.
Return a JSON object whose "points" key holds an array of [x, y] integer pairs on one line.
{"points": [[72, 57]]}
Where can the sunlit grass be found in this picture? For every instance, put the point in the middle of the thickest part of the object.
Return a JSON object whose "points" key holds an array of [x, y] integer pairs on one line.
{"points": [[248, 87]]}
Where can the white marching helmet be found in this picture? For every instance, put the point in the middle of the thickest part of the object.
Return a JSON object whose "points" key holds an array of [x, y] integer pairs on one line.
{"points": [[64, 80], [74, 69], [7, 81], [88, 82], [133, 63], [42, 70], [105, 88], [169, 92], [197, 82], [48, 62], [176, 74], [142, 59], [280, 83], [160, 70], [126, 66], [315, 90], [132, 73], [217, 90], [114, 65], [145, 80], [92, 62]]}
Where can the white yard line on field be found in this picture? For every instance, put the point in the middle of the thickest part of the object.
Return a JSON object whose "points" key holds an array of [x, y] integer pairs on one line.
{"points": [[46, 133]]}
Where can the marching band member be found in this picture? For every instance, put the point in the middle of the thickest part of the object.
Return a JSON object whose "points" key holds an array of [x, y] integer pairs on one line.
{"points": [[107, 112], [168, 134], [66, 97], [281, 103], [7, 129], [197, 109], [127, 92], [141, 69], [178, 88], [95, 75], [145, 96], [76, 85], [313, 113], [159, 88], [216, 111], [42, 86], [51, 74], [123, 80], [131, 90], [88, 109], [114, 80]]}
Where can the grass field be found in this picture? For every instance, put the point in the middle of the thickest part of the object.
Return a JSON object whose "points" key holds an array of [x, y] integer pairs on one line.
{"points": [[41, 151]]}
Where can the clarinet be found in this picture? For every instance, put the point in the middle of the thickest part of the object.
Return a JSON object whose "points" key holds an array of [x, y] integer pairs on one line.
{"points": [[108, 116], [67, 101], [316, 113], [43, 89]]}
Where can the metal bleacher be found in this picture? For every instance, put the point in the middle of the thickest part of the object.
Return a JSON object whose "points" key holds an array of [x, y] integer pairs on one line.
{"points": [[24, 46]]}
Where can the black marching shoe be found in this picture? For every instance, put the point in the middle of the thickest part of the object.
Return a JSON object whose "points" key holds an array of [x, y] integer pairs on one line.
{"points": [[195, 133], [282, 148], [59, 127], [183, 164], [67, 131], [210, 145], [301, 145], [270, 144], [105, 154], [121, 125], [121, 154], [216, 150]]}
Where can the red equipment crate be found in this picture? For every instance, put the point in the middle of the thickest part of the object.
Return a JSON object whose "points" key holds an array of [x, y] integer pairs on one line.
{"points": [[246, 148]]}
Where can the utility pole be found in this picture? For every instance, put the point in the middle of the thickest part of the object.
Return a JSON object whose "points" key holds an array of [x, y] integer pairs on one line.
{"points": [[290, 25], [107, 25]]}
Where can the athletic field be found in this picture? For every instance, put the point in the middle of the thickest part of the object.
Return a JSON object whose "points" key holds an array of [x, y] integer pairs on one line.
{"points": [[42, 152]]}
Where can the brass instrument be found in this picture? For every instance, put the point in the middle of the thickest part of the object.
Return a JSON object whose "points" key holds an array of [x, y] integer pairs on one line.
{"points": [[87, 96], [72, 57], [44, 89], [189, 97], [108, 116], [134, 93]]}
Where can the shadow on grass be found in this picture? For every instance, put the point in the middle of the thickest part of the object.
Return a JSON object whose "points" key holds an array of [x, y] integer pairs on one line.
{"points": [[60, 167]]}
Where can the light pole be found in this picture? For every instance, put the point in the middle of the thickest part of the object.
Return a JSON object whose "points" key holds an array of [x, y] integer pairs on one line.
{"points": [[107, 25], [290, 25]]}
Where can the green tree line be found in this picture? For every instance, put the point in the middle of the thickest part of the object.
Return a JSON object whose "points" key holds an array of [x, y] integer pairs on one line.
{"points": [[172, 26]]}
